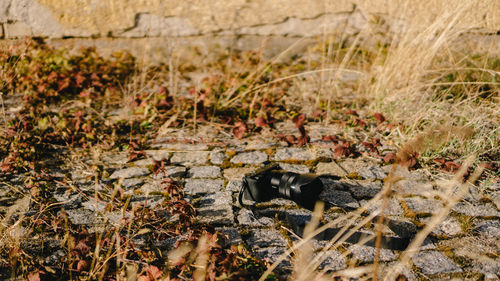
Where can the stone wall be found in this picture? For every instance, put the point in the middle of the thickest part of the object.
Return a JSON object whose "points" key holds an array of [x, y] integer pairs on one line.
{"points": [[174, 18]]}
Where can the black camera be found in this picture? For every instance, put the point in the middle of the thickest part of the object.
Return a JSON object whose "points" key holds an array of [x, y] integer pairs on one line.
{"points": [[271, 182]]}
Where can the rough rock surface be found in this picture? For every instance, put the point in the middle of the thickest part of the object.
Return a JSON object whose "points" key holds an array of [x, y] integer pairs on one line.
{"points": [[464, 244]]}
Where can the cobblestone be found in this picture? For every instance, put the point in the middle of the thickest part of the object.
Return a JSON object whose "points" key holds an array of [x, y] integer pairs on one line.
{"points": [[217, 157], [483, 210], [204, 172], [254, 157], [294, 168], [201, 186], [367, 253], [158, 155], [333, 260], [234, 185], [246, 217], [488, 228], [423, 206], [372, 172], [131, 172], [236, 174], [448, 227], [266, 238], [285, 154], [434, 262], [339, 198], [189, 158], [130, 183]]}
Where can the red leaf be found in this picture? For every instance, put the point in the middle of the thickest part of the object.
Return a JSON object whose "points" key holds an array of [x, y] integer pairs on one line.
{"points": [[351, 112], [451, 166], [409, 159], [359, 123], [318, 113], [439, 161], [79, 79], [379, 117], [52, 77], [299, 120], [340, 150], [82, 265], [290, 139], [153, 272], [260, 122], [162, 90], [34, 276], [488, 166], [389, 157], [239, 129]]}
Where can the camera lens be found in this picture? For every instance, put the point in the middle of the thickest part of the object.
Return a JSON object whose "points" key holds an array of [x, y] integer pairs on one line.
{"points": [[303, 189]]}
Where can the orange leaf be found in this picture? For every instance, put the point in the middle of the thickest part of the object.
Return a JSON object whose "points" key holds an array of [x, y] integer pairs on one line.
{"points": [[239, 129]]}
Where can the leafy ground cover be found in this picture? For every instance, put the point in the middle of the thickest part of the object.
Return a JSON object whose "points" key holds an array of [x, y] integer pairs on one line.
{"points": [[57, 104]]}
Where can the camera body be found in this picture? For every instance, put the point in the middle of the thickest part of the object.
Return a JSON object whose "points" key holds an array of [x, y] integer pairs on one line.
{"points": [[271, 182]]}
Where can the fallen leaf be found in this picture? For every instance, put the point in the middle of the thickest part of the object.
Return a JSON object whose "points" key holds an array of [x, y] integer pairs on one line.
{"points": [[82, 265], [389, 157], [153, 272], [299, 120], [379, 117], [239, 129], [34, 276], [260, 122], [351, 112]]}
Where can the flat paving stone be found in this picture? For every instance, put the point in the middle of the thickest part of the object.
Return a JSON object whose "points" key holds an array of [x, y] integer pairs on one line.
{"points": [[339, 198], [254, 158], [482, 251], [201, 186], [294, 168], [181, 146], [204, 172], [411, 187], [216, 215], [293, 153], [131, 183], [433, 262], [236, 173], [333, 260], [490, 228], [367, 253], [266, 238], [393, 207], [217, 157], [115, 158], [402, 226], [144, 162], [341, 168], [229, 236], [247, 218], [363, 189], [190, 158], [215, 208], [131, 172], [372, 172], [423, 206], [483, 210], [448, 227], [272, 254], [158, 155], [175, 171], [234, 185]]}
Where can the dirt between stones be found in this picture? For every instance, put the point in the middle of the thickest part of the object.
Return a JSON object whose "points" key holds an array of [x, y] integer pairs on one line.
{"points": [[211, 176]]}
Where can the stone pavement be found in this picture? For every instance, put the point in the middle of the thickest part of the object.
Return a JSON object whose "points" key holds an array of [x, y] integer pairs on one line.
{"points": [[465, 245]]}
